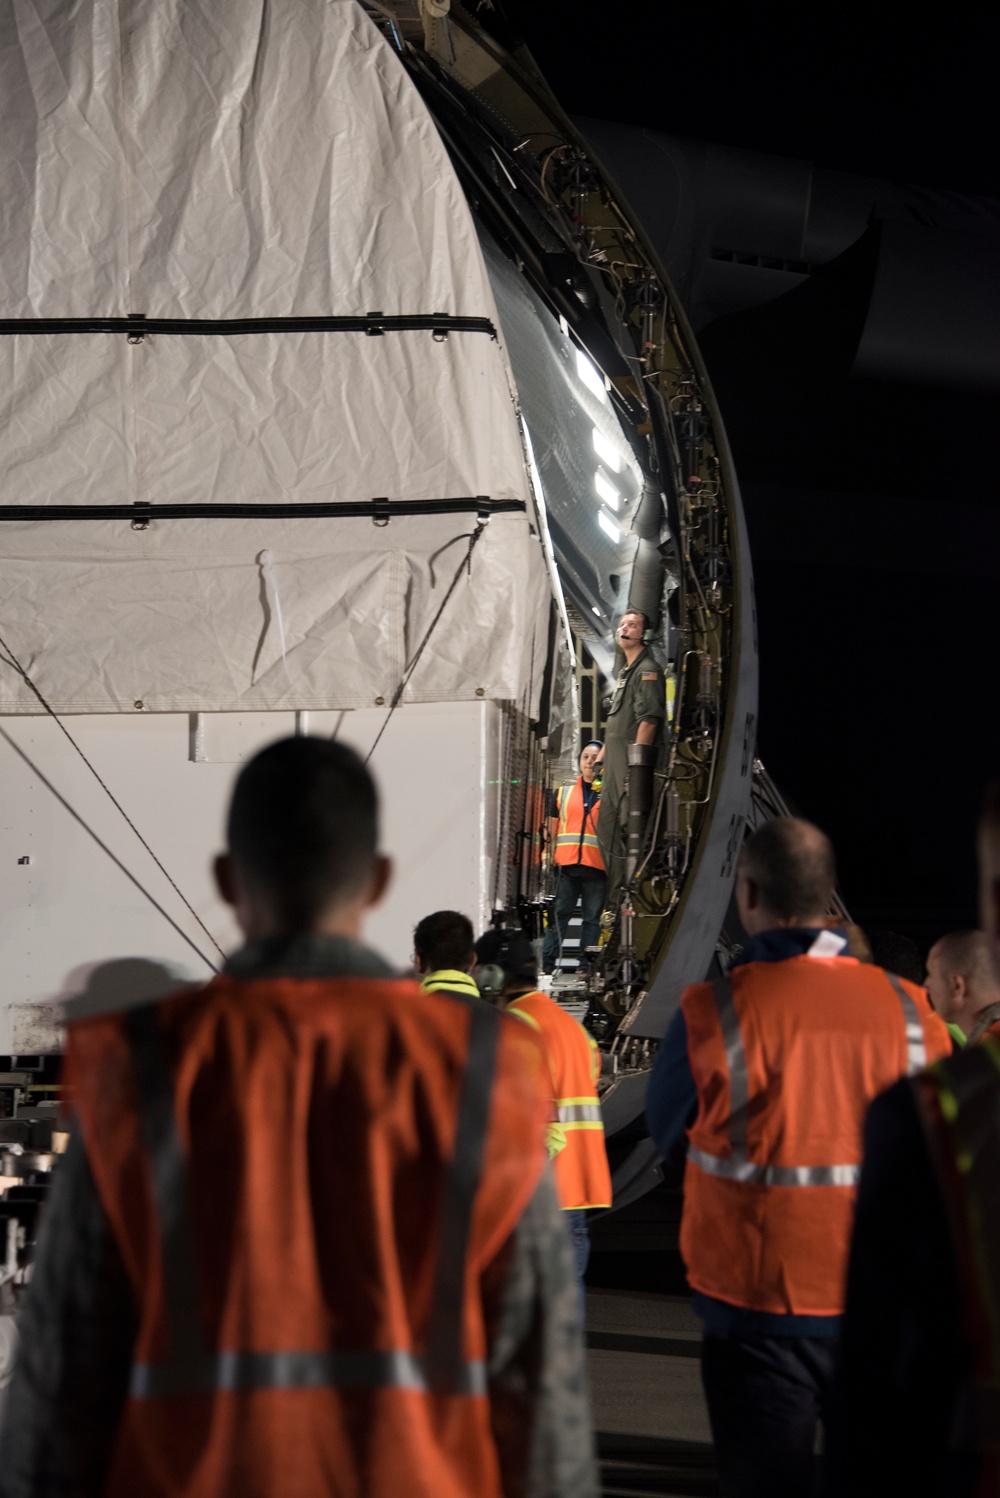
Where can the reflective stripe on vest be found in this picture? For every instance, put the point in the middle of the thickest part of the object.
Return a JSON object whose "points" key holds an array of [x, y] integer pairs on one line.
{"points": [[192, 1367], [737, 1166], [579, 1113], [581, 1168], [577, 840], [916, 1047]]}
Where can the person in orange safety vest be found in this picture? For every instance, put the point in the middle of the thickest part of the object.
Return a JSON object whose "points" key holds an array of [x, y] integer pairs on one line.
{"points": [[304, 1241], [576, 1132], [768, 1073], [580, 876]]}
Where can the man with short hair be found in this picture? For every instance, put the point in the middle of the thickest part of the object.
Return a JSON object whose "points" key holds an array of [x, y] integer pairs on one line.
{"points": [[962, 983], [767, 1073], [575, 1135], [635, 715], [303, 1241], [444, 954], [580, 877]]}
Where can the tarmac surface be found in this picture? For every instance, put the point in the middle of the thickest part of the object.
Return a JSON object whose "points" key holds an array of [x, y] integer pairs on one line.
{"points": [[652, 1427]]}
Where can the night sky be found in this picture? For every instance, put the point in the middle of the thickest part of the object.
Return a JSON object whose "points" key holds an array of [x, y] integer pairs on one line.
{"points": [[878, 588]]}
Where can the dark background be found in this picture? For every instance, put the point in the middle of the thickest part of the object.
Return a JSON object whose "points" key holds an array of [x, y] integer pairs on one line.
{"points": [[871, 506]]}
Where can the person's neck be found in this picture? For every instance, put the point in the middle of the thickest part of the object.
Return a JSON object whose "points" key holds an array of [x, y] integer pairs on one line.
{"points": [[759, 923], [266, 925], [631, 651]]}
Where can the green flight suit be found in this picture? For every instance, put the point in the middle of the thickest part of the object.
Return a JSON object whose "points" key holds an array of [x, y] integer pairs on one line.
{"points": [[639, 697]]}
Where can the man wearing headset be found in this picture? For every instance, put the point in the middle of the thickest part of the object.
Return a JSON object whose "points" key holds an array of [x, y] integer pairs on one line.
{"points": [[635, 716], [575, 1134]]}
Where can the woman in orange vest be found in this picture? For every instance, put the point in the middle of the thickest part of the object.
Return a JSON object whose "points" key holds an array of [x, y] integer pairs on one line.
{"points": [[289, 1253], [575, 1134], [580, 876]]}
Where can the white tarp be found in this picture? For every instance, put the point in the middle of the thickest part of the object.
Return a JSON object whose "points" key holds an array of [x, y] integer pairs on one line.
{"points": [[243, 160]]}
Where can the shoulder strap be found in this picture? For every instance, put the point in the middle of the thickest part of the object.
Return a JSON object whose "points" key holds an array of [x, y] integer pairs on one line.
{"points": [[984, 1021]]}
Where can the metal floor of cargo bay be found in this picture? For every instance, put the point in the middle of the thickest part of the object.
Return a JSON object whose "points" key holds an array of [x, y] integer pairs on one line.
{"points": [[649, 1412]]}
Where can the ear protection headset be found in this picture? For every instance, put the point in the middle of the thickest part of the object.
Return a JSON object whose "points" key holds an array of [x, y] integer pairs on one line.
{"points": [[649, 633], [490, 981], [491, 978]]}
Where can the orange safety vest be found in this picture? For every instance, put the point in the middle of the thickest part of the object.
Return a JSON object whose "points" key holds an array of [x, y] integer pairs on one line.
{"points": [[786, 1058], [959, 1100], [306, 1180], [583, 1178], [576, 838]]}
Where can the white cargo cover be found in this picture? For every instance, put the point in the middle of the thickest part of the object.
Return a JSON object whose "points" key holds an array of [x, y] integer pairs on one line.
{"points": [[239, 160]]}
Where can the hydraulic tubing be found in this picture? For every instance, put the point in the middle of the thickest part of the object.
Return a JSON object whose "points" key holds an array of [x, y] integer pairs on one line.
{"points": [[641, 765], [646, 587]]}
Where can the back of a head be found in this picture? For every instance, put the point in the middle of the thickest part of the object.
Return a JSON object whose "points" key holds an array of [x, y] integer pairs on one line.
{"points": [[511, 951], [793, 866], [303, 826], [445, 940], [969, 955]]}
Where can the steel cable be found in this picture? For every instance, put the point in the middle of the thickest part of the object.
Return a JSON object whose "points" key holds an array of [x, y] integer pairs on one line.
{"points": [[12, 660], [397, 695], [103, 845]]}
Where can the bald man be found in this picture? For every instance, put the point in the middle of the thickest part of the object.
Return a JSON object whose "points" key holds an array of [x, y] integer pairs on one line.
{"points": [[766, 1075], [962, 982]]}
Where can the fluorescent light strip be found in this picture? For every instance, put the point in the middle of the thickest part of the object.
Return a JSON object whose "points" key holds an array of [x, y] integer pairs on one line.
{"points": [[590, 376], [608, 526], [607, 490], [607, 452]]}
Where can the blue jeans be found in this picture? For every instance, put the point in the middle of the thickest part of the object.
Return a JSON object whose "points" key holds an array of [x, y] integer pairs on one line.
{"points": [[576, 1221], [575, 883]]}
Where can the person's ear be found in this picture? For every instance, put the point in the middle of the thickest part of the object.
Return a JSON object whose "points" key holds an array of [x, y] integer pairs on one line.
{"points": [[751, 892], [222, 872], [959, 987], [381, 879]]}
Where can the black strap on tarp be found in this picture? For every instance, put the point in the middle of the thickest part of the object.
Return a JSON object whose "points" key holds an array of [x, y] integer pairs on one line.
{"points": [[136, 326], [381, 510]]}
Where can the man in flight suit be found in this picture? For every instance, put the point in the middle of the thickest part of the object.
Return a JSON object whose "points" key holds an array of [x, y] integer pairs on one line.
{"points": [[635, 716]]}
